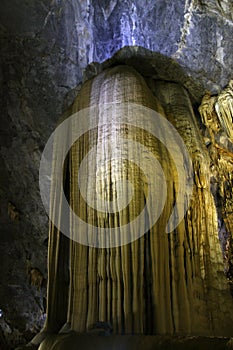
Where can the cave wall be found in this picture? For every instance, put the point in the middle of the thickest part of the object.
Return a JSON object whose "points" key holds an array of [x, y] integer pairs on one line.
{"points": [[45, 48]]}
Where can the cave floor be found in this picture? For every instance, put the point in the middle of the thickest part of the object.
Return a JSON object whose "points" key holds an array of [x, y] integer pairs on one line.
{"points": [[135, 342]]}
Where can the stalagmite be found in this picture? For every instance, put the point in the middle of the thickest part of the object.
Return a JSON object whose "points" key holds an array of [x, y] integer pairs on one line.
{"points": [[161, 283]]}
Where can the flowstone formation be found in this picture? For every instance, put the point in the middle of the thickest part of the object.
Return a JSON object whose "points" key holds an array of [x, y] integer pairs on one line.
{"points": [[163, 282], [217, 112], [217, 115]]}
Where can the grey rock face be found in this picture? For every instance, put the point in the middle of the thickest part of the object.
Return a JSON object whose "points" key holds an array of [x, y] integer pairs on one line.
{"points": [[45, 48]]}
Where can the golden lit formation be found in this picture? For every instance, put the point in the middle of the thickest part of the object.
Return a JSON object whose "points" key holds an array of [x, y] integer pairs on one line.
{"points": [[160, 283]]}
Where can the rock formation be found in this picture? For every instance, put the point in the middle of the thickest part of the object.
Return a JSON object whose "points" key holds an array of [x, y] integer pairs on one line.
{"points": [[45, 48], [161, 283], [217, 116]]}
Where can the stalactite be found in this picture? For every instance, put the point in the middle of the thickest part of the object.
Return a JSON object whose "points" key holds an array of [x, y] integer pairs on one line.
{"points": [[217, 111], [162, 283], [221, 106], [208, 114], [224, 109]]}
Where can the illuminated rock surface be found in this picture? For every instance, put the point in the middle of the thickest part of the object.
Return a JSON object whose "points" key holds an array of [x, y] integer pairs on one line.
{"points": [[163, 283], [45, 48]]}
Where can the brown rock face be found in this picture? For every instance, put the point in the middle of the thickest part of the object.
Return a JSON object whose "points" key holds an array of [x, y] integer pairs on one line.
{"points": [[160, 283]]}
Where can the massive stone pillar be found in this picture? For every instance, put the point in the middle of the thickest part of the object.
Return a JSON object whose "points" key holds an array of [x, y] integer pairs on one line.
{"points": [[161, 282]]}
